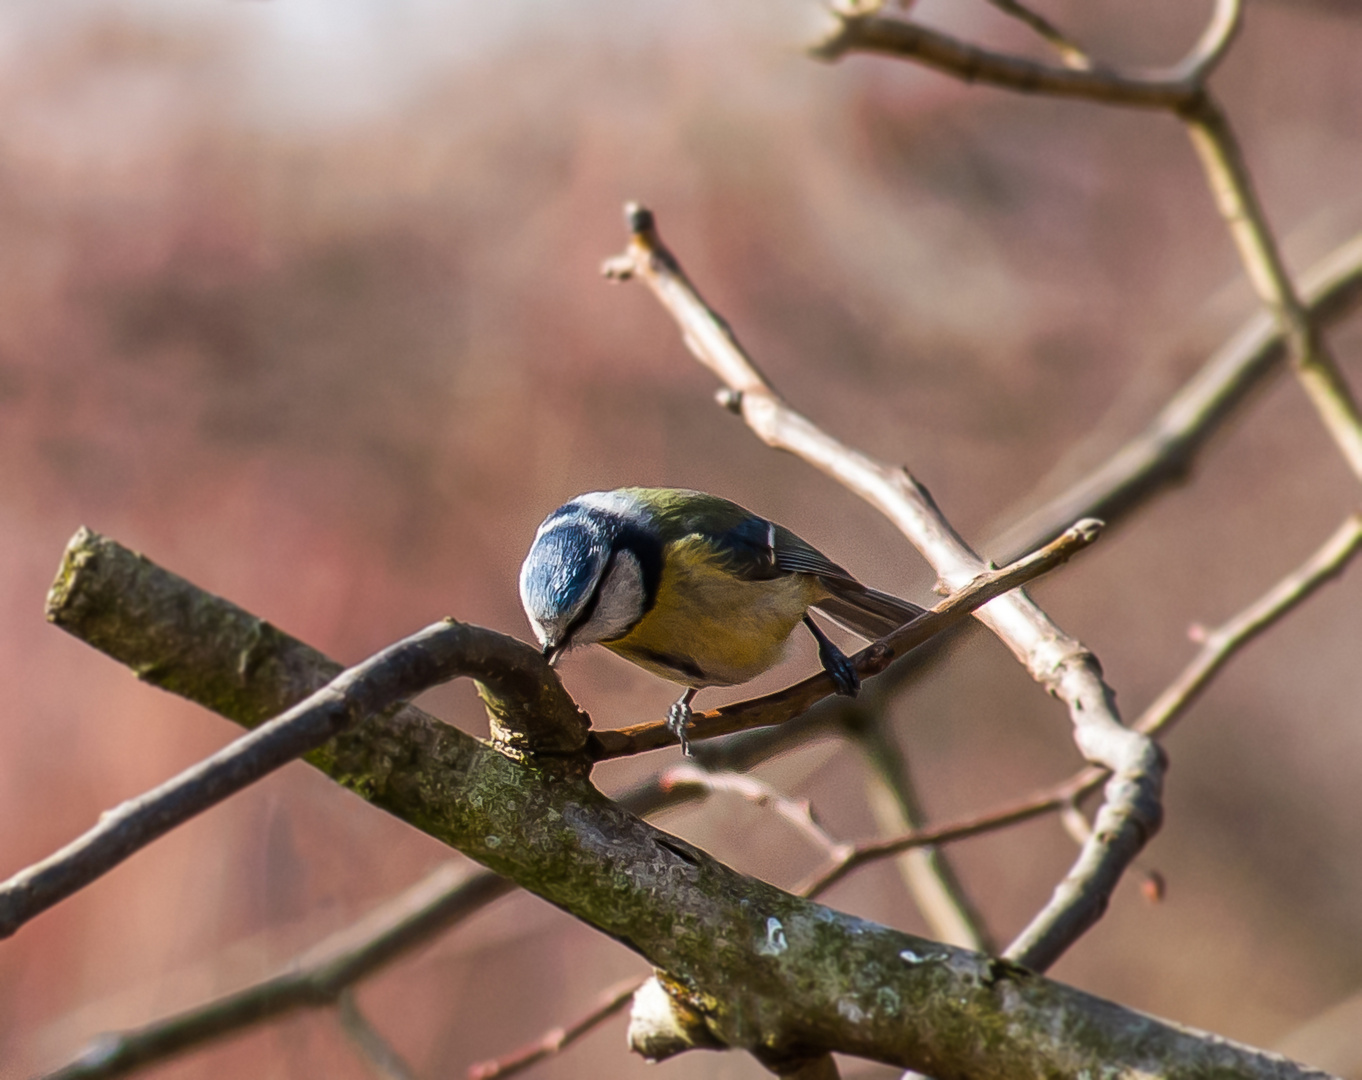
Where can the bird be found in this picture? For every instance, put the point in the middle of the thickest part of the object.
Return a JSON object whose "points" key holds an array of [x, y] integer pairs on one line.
{"points": [[691, 587]]}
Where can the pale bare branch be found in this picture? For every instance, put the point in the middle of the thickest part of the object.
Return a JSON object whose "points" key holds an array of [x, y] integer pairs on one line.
{"points": [[798, 812], [1069, 51], [382, 1058]]}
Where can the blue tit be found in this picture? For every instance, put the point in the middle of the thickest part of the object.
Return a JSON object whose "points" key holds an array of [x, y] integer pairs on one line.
{"points": [[692, 587]]}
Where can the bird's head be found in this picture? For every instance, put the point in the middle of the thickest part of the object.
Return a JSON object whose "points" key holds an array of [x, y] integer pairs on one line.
{"points": [[583, 579]]}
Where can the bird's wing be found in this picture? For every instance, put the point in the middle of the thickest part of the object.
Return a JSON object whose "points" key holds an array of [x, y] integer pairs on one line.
{"points": [[867, 612], [800, 557], [757, 549], [864, 611]]}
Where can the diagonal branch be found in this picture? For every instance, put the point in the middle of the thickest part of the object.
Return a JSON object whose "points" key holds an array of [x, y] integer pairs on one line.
{"points": [[1163, 453], [382, 1058], [868, 31], [783, 705], [902, 38], [1133, 811], [688, 777], [315, 979], [1069, 51], [608, 1003], [927, 874], [1232, 186]]}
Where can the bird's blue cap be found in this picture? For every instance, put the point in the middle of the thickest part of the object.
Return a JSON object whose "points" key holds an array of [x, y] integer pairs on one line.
{"points": [[560, 574]]}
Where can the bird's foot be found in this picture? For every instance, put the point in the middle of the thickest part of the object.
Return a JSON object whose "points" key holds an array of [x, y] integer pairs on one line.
{"points": [[843, 672], [835, 662], [678, 720]]}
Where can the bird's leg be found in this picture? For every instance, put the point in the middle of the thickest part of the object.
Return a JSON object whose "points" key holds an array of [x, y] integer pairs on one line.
{"points": [[835, 661], [678, 718]]}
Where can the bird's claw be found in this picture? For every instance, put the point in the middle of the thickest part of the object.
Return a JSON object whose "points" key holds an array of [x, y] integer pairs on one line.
{"points": [[678, 723], [843, 673], [841, 670]]}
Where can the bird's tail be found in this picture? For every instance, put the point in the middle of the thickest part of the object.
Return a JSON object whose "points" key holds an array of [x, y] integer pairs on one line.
{"points": [[867, 612]]}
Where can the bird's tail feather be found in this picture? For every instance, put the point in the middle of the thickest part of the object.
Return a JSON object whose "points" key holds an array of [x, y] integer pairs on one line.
{"points": [[867, 612]]}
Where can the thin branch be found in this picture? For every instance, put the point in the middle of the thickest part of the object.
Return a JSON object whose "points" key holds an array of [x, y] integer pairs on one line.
{"points": [[902, 38], [766, 972], [1220, 31], [315, 979], [556, 1040], [691, 778], [1163, 453], [1069, 51], [1173, 88], [1235, 196], [869, 851], [927, 873], [379, 1054], [1133, 811], [1220, 644], [986, 587]]}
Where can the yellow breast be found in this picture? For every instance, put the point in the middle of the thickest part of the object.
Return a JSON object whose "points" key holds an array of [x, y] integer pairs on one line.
{"points": [[709, 628]]}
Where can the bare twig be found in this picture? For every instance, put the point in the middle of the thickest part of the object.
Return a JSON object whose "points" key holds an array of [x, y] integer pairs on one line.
{"points": [[1164, 451], [1235, 196], [926, 872], [910, 40], [1220, 644], [1133, 810], [382, 1058], [783, 705], [798, 812], [315, 979], [557, 1040], [869, 851], [1069, 51], [1220, 31]]}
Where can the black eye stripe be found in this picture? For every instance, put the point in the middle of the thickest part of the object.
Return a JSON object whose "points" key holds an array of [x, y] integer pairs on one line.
{"points": [[647, 549], [623, 535]]}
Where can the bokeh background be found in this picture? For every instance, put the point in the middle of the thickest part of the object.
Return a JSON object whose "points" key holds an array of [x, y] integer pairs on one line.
{"points": [[302, 300]]}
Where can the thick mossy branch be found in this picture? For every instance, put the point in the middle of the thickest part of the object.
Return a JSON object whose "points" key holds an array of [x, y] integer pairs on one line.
{"points": [[119, 601], [782, 977]]}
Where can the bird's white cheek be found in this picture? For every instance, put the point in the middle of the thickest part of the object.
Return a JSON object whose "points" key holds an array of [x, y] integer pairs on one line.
{"points": [[620, 602], [539, 631]]}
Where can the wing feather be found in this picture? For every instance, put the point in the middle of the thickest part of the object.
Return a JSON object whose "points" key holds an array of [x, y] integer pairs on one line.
{"points": [[867, 612]]}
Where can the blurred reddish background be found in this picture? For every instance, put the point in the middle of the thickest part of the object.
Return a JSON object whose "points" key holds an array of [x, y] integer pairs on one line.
{"points": [[303, 301]]}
